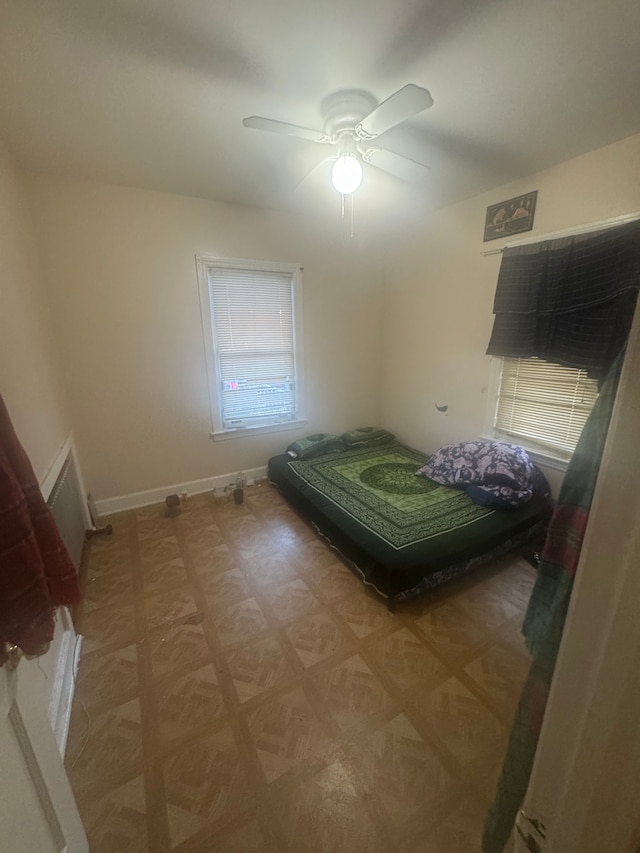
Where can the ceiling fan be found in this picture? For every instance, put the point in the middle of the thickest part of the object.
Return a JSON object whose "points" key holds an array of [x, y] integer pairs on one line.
{"points": [[352, 120]]}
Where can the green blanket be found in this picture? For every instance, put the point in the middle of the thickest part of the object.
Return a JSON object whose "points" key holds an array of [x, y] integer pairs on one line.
{"points": [[379, 489]]}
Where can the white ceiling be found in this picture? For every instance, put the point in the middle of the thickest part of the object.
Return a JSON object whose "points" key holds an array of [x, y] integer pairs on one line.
{"points": [[152, 93]]}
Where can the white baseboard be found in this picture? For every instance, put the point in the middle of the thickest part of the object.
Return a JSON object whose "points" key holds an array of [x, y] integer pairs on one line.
{"points": [[106, 506], [64, 680]]}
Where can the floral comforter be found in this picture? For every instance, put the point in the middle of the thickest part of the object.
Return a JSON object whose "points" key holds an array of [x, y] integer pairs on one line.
{"points": [[492, 473]]}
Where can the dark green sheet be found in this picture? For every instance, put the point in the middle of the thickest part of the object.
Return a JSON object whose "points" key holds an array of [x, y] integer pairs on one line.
{"points": [[400, 531], [380, 490]]}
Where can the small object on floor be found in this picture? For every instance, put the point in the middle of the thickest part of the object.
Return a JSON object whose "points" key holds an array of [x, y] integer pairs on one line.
{"points": [[238, 492], [533, 557], [221, 494], [173, 506]]}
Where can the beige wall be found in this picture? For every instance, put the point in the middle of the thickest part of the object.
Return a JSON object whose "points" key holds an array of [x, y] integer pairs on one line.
{"points": [[121, 275], [123, 299], [28, 376], [439, 293]]}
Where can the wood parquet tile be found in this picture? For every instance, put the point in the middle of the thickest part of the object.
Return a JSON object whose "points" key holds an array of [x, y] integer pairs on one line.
{"points": [[108, 626], [117, 821], [187, 703], [108, 679], [205, 784], [353, 694], [458, 718], [171, 605], [115, 737], [363, 614], [327, 811], [222, 588], [406, 659], [106, 589], [154, 551], [499, 673], [247, 837], [106, 562], [240, 691], [238, 622], [291, 600], [458, 832], [176, 648], [331, 582], [271, 569], [214, 560], [316, 637], [404, 774], [290, 736], [258, 666], [452, 632], [161, 577]]}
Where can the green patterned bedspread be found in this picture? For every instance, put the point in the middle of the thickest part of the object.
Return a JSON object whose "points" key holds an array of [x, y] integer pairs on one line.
{"points": [[379, 489]]}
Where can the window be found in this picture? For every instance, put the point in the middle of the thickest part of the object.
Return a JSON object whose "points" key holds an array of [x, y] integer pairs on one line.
{"points": [[544, 405], [252, 330]]}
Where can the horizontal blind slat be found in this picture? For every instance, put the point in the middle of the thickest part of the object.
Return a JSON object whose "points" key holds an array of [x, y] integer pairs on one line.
{"points": [[544, 402], [253, 324]]}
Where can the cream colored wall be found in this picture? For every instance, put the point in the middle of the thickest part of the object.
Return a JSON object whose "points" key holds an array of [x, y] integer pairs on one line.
{"points": [[29, 380], [121, 276], [121, 282], [439, 293]]}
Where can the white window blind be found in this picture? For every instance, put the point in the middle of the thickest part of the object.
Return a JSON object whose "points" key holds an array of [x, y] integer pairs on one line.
{"points": [[253, 335], [544, 403]]}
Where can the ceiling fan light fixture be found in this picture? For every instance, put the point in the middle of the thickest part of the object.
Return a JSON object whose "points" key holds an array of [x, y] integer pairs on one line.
{"points": [[352, 118], [346, 175]]}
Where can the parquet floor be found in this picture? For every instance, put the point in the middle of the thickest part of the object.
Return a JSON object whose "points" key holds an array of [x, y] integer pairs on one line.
{"points": [[239, 691]]}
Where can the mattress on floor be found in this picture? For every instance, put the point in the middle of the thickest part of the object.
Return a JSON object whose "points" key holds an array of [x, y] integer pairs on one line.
{"points": [[403, 533]]}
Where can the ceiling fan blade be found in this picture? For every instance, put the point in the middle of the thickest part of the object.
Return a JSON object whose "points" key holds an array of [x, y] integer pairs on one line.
{"points": [[312, 174], [395, 164], [406, 102], [273, 126]]}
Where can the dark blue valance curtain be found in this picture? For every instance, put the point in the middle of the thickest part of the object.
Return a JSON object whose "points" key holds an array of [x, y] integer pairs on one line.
{"points": [[569, 301]]}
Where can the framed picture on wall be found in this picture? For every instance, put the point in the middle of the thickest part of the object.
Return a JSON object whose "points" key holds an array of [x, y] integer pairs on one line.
{"points": [[510, 217]]}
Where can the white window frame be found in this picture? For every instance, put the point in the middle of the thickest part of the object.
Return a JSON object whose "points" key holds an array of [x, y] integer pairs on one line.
{"points": [[204, 265], [538, 452]]}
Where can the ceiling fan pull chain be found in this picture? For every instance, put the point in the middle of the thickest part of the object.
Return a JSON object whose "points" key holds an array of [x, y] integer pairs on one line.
{"points": [[347, 229]]}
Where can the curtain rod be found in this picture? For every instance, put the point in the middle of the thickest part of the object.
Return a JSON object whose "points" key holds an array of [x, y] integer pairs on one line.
{"points": [[569, 232]]}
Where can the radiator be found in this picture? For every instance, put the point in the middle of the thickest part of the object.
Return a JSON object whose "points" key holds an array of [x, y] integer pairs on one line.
{"points": [[65, 503]]}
